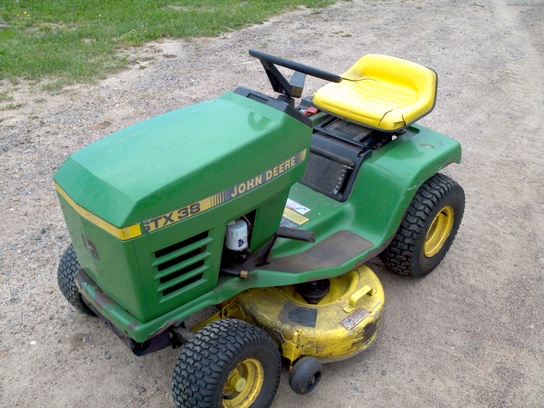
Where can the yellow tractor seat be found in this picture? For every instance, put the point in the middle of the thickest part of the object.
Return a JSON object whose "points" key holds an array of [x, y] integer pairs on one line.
{"points": [[381, 92]]}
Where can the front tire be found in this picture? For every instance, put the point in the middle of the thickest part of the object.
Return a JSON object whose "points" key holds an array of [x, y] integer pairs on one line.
{"points": [[66, 275], [428, 228], [229, 363]]}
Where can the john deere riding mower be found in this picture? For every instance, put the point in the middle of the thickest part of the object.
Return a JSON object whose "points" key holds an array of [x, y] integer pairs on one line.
{"points": [[259, 215]]}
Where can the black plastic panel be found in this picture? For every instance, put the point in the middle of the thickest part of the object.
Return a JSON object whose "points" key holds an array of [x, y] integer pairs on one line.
{"points": [[274, 103]]}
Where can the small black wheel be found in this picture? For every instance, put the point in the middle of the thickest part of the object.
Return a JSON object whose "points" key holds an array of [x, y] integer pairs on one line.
{"points": [[229, 363], [305, 375], [66, 273], [428, 229]]}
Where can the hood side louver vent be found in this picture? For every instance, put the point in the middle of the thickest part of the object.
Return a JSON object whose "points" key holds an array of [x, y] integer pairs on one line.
{"points": [[182, 264]]}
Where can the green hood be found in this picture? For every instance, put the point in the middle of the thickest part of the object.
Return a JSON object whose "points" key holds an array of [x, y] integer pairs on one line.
{"points": [[178, 158]]}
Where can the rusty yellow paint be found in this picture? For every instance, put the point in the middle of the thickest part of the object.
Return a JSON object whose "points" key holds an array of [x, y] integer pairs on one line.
{"points": [[342, 324]]}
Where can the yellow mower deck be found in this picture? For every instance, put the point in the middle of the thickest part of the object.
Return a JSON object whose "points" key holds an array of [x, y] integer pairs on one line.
{"points": [[342, 324]]}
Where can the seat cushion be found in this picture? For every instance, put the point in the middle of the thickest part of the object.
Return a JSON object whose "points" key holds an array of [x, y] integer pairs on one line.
{"points": [[382, 92]]}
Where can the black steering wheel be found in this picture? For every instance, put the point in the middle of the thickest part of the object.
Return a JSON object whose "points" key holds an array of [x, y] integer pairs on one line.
{"points": [[294, 87]]}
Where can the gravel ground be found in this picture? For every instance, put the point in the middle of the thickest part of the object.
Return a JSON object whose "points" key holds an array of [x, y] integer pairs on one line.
{"points": [[470, 334]]}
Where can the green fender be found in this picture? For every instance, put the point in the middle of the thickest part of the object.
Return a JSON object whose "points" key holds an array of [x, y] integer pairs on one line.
{"points": [[388, 181], [350, 233]]}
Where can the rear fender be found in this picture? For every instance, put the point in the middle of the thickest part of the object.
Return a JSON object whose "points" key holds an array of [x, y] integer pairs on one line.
{"points": [[388, 181]]}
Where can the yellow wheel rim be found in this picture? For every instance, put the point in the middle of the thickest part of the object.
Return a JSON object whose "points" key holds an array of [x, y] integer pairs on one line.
{"points": [[438, 232], [244, 384]]}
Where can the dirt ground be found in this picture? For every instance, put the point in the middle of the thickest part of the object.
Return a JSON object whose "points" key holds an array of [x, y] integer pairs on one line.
{"points": [[470, 334]]}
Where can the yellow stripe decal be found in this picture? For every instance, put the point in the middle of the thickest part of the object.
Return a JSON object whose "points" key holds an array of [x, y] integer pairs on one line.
{"points": [[122, 233], [230, 193]]}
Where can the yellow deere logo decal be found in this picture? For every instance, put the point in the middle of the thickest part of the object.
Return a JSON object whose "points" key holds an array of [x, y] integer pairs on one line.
{"points": [[183, 213]]}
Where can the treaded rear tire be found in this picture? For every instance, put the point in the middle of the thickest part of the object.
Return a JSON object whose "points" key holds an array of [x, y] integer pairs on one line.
{"points": [[406, 254], [214, 353], [66, 273]]}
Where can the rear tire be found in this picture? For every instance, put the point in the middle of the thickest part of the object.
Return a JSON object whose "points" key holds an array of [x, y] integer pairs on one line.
{"points": [[229, 363], [428, 228], [66, 275]]}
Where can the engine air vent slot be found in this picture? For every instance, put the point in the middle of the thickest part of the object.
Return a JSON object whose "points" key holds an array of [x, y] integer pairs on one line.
{"points": [[182, 264]]}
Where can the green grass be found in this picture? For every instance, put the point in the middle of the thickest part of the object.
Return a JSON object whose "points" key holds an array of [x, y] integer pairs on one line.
{"points": [[69, 41]]}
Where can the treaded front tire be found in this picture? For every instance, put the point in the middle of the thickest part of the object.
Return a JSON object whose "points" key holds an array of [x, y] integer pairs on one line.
{"points": [[428, 228], [66, 274], [228, 363]]}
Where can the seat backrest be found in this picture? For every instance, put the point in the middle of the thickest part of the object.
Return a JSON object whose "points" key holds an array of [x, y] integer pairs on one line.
{"points": [[395, 71]]}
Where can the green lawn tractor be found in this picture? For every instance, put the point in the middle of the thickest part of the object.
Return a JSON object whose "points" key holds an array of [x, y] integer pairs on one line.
{"points": [[239, 228]]}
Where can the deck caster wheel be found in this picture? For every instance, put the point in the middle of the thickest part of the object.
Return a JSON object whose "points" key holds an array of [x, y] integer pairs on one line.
{"points": [[305, 375], [228, 364]]}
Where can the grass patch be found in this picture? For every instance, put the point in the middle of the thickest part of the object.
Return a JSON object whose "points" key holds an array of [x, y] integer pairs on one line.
{"points": [[69, 41], [10, 106], [5, 96]]}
